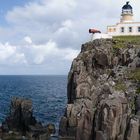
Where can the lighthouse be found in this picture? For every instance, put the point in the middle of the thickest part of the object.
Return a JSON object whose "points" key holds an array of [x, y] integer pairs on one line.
{"points": [[127, 26]]}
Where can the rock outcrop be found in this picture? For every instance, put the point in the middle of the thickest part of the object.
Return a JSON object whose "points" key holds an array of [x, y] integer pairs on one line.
{"points": [[21, 115], [20, 123], [103, 93]]}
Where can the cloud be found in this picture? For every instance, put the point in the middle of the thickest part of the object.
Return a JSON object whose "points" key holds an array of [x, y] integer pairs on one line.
{"points": [[50, 50], [39, 54], [33, 54], [39, 12], [9, 55], [28, 39]]}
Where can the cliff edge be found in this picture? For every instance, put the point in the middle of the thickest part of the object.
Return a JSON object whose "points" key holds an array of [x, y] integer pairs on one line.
{"points": [[103, 92]]}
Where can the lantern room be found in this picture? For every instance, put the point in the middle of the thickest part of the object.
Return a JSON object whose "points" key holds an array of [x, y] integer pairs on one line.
{"points": [[127, 13]]}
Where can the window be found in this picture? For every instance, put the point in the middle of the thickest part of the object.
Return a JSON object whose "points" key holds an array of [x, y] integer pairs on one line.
{"points": [[109, 30], [122, 29], [138, 29], [130, 29]]}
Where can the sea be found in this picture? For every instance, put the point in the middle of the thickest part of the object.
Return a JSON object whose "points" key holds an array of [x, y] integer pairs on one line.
{"points": [[48, 94]]}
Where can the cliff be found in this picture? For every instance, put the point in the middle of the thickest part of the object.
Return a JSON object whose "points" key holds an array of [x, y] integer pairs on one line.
{"points": [[103, 92]]}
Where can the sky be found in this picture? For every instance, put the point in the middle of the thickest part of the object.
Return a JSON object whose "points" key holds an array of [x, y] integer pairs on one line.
{"points": [[44, 36]]}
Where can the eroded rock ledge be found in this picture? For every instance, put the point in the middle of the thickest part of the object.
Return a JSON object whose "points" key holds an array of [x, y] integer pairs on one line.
{"points": [[103, 93]]}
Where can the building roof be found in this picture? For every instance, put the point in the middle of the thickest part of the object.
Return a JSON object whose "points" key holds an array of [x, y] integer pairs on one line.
{"points": [[127, 6]]}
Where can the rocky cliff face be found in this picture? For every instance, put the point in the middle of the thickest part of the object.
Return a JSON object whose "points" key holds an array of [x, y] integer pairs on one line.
{"points": [[103, 93]]}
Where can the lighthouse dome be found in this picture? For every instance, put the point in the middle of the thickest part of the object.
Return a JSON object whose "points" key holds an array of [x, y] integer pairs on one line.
{"points": [[127, 6], [127, 13]]}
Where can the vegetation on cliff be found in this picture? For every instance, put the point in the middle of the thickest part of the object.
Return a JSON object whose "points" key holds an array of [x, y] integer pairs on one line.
{"points": [[125, 41]]}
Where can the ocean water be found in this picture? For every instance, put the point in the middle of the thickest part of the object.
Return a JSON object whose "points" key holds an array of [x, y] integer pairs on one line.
{"points": [[48, 94]]}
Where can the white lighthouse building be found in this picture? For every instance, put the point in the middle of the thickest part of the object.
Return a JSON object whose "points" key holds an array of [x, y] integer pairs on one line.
{"points": [[126, 26]]}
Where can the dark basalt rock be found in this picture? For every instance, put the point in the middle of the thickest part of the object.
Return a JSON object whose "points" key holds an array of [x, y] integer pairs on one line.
{"points": [[21, 124], [103, 99], [21, 115]]}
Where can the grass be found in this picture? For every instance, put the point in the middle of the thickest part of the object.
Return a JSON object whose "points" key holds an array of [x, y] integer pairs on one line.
{"points": [[123, 41], [132, 106], [130, 39], [135, 75], [120, 86], [138, 91]]}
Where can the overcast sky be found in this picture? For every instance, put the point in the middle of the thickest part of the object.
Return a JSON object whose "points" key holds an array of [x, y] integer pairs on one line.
{"points": [[43, 36]]}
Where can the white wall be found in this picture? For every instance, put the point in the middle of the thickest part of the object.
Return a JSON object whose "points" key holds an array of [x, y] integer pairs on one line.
{"points": [[99, 36], [126, 26]]}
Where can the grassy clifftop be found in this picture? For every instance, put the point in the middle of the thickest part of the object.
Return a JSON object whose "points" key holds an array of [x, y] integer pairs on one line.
{"points": [[123, 41]]}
